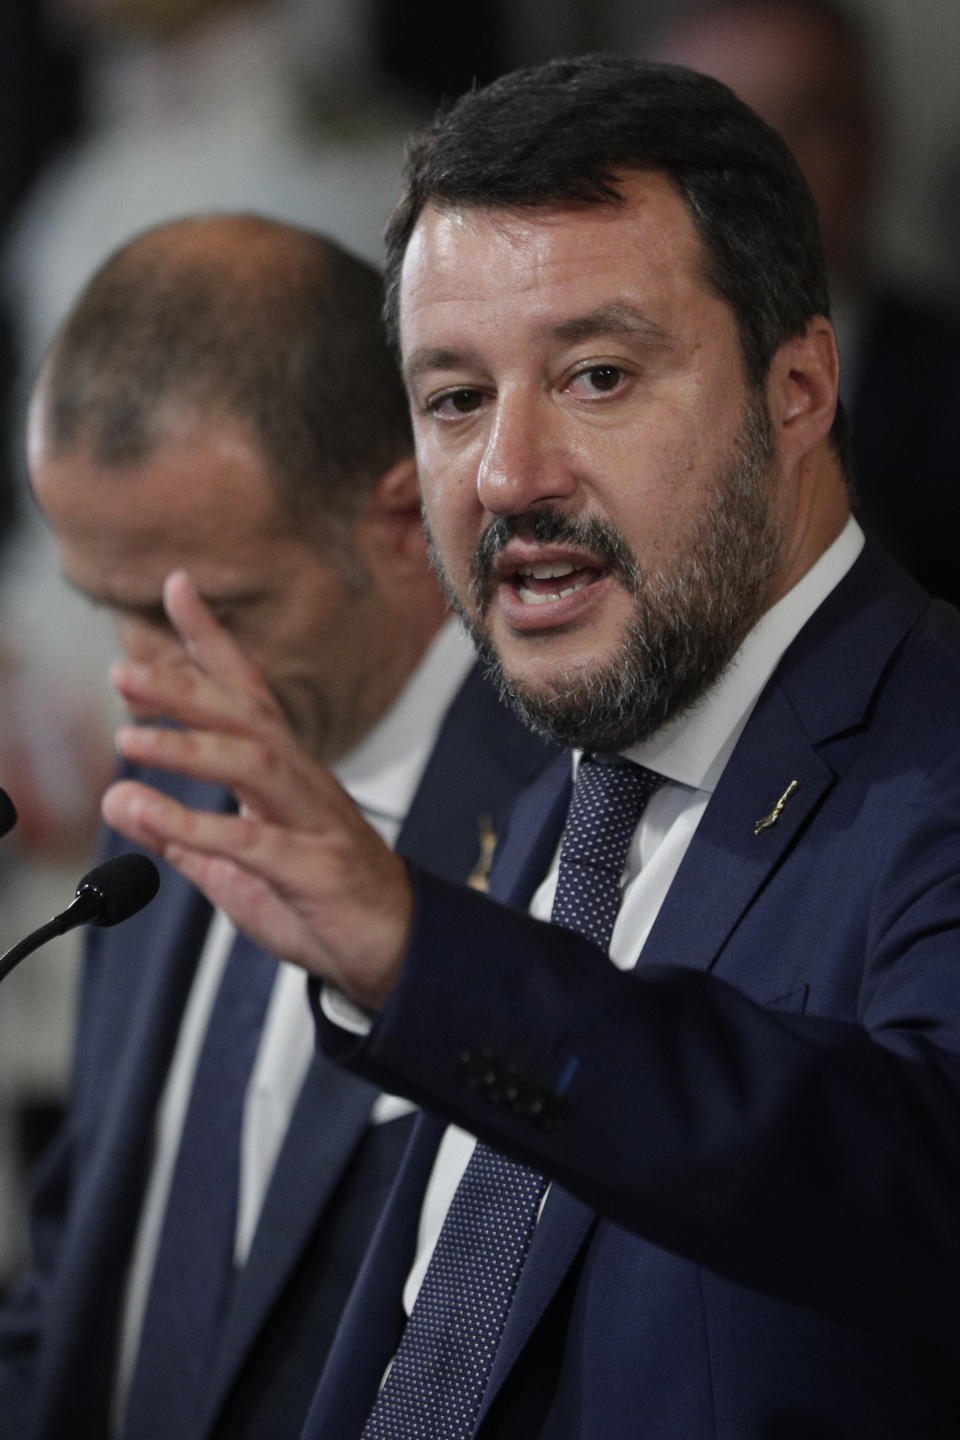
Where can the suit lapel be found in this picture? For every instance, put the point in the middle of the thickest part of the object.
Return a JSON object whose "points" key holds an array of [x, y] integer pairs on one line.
{"points": [[328, 1123], [482, 757], [742, 837], [728, 861], [821, 692], [161, 955], [372, 1321], [533, 835]]}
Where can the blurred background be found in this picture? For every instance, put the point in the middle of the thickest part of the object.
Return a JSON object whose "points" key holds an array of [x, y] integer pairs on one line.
{"points": [[117, 114]]}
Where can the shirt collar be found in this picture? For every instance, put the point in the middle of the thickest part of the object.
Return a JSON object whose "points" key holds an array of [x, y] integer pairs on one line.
{"points": [[694, 748], [383, 771]]}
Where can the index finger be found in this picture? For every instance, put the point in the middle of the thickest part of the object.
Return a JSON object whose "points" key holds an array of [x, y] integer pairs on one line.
{"points": [[211, 684], [205, 640]]}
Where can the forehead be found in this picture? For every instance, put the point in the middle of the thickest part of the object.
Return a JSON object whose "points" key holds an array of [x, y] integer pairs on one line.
{"points": [[477, 268], [202, 496]]}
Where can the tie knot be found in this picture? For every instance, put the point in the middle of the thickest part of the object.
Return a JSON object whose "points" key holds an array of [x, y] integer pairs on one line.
{"points": [[609, 798]]}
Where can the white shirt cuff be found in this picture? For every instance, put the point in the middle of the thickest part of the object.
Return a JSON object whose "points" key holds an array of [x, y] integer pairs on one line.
{"points": [[343, 1012]]}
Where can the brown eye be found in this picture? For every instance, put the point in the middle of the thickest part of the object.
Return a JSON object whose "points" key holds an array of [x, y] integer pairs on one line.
{"points": [[605, 377], [458, 402], [596, 380]]}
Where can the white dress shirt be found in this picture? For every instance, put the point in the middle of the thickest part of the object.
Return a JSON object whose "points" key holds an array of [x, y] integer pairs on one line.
{"points": [[691, 752], [381, 774]]}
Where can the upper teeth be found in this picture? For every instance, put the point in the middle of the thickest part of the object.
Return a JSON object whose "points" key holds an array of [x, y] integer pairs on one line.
{"points": [[549, 572]]}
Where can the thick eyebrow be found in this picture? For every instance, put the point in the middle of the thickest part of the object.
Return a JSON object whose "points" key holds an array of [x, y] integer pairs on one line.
{"points": [[618, 318], [153, 610], [103, 600]]}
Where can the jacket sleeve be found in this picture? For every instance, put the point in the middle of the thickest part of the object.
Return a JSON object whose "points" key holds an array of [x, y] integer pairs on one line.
{"points": [[812, 1158]]}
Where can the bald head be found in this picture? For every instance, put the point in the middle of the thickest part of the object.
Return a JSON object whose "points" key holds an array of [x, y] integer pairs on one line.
{"points": [[222, 400], [805, 67], [271, 327]]}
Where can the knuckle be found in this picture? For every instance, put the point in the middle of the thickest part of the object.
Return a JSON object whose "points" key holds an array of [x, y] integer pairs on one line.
{"points": [[248, 829], [270, 760]]}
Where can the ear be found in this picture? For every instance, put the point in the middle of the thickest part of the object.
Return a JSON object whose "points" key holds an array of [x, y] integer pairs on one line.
{"points": [[390, 530], [802, 390]]}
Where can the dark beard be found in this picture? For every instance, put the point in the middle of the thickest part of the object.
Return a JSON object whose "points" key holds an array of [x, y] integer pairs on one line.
{"points": [[687, 623]]}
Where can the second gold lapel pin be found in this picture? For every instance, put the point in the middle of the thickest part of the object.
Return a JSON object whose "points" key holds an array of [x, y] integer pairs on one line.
{"points": [[480, 874]]}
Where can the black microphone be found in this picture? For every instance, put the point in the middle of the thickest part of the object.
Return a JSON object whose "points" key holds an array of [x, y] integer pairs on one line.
{"points": [[109, 893], [8, 814]]}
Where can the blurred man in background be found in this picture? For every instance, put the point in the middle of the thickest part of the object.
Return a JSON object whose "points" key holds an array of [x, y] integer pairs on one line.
{"points": [[185, 105], [222, 400]]}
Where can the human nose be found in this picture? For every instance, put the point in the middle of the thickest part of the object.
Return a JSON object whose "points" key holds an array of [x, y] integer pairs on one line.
{"points": [[524, 462]]}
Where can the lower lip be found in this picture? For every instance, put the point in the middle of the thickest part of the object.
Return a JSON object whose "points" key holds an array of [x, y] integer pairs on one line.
{"points": [[566, 610]]}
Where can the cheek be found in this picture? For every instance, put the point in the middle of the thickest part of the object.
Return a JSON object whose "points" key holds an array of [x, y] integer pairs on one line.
{"points": [[660, 506], [453, 514], [448, 461]]}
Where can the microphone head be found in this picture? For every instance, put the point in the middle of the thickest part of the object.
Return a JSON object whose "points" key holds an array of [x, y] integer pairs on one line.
{"points": [[119, 888], [8, 814]]}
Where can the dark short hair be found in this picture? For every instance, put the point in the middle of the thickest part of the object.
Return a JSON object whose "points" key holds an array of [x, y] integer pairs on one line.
{"points": [[280, 329], [559, 134]]}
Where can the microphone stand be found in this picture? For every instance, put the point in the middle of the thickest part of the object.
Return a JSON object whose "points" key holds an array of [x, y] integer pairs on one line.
{"points": [[106, 895], [75, 914]]}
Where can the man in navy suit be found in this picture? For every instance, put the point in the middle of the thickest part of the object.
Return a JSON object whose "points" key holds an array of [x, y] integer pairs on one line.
{"points": [[608, 287], [222, 398]]}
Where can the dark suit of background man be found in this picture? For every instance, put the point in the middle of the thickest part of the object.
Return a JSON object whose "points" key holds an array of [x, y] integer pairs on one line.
{"points": [[222, 399], [610, 296]]}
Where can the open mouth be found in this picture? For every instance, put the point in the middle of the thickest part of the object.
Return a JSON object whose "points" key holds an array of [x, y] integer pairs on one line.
{"points": [[538, 591], [541, 584], [546, 569]]}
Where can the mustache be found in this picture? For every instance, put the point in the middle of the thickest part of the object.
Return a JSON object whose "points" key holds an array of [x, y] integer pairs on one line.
{"points": [[551, 527]]}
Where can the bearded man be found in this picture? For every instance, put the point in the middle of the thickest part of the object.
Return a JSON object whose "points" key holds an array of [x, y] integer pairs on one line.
{"points": [[713, 1073]]}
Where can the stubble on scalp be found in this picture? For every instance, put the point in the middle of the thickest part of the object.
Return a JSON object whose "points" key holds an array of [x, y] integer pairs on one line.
{"points": [[688, 621]]}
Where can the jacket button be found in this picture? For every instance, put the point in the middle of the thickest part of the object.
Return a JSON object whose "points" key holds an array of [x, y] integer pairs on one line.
{"points": [[474, 1068]]}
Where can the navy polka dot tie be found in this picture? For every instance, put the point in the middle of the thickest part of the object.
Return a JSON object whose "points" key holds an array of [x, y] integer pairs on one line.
{"points": [[436, 1384]]}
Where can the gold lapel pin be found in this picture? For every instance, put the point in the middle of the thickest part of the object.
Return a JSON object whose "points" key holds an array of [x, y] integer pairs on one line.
{"points": [[777, 810], [479, 877]]}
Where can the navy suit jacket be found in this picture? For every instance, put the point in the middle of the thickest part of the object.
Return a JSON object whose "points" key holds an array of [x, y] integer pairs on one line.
{"points": [[58, 1335], [754, 1136]]}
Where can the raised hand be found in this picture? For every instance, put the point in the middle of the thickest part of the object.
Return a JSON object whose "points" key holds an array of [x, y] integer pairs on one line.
{"points": [[299, 869]]}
